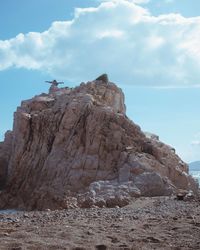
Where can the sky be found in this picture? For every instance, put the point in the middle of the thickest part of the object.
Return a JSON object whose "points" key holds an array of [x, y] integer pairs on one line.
{"points": [[150, 48]]}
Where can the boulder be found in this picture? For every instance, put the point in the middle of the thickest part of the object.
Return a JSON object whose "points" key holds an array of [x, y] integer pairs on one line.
{"points": [[77, 148], [103, 78]]}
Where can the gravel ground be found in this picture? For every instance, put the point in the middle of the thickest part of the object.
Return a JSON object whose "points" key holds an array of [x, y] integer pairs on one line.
{"points": [[147, 223]]}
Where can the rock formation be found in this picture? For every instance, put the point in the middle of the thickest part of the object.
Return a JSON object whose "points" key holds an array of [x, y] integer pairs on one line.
{"points": [[103, 78], [76, 147]]}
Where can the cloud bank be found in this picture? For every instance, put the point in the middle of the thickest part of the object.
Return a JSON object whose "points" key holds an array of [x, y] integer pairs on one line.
{"points": [[120, 38]]}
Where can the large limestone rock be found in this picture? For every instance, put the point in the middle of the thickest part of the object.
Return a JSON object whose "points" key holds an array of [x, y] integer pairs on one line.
{"points": [[76, 147]]}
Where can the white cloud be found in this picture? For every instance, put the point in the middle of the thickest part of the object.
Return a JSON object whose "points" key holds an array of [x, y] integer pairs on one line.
{"points": [[196, 143], [169, 1], [141, 1], [131, 1], [117, 37]]}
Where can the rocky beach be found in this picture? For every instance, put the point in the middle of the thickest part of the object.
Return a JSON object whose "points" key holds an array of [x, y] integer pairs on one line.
{"points": [[145, 224]]}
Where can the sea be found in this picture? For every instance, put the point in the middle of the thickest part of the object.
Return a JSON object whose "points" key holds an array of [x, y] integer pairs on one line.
{"points": [[196, 175], [8, 211]]}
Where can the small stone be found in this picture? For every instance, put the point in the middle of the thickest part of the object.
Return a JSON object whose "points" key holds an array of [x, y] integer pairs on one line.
{"points": [[89, 233], [79, 248], [101, 247], [153, 239]]}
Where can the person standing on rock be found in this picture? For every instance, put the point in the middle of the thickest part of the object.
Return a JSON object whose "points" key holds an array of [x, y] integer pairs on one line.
{"points": [[54, 86]]}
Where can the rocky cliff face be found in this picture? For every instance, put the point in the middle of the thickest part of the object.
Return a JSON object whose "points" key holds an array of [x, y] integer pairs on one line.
{"points": [[76, 147], [5, 153]]}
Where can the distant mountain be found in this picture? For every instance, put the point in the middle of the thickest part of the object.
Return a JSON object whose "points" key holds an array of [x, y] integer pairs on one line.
{"points": [[194, 166]]}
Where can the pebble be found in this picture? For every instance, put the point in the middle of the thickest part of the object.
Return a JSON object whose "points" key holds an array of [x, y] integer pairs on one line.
{"points": [[101, 247]]}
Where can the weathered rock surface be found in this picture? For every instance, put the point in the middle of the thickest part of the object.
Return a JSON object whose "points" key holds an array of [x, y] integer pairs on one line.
{"points": [[76, 147], [5, 153]]}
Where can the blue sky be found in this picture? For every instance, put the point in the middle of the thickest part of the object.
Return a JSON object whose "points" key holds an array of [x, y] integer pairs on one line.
{"points": [[150, 48]]}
